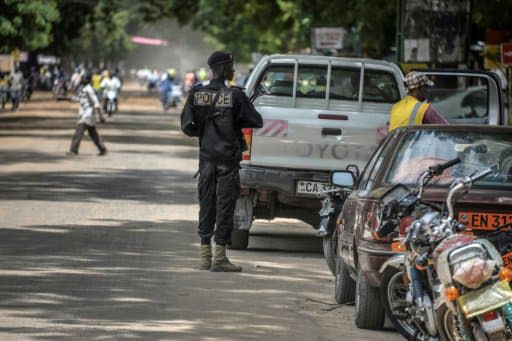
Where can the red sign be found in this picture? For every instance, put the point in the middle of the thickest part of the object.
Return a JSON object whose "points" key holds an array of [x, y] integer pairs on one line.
{"points": [[506, 54]]}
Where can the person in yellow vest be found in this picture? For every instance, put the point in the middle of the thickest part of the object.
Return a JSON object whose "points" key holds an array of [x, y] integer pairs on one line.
{"points": [[414, 109]]}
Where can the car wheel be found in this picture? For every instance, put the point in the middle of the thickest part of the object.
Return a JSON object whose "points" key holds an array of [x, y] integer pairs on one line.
{"points": [[329, 244], [344, 285], [369, 310], [239, 239]]}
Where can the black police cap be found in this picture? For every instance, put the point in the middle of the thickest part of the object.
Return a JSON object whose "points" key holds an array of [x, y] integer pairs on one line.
{"points": [[219, 57]]}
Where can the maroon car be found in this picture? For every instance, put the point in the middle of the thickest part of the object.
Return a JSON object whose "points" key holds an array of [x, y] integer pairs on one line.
{"points": [[401, 158]]}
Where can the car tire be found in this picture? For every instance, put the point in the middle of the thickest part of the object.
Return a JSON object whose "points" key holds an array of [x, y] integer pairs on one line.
{"points": [[369, 310], [344, 285], [329, 244], [239, 239]]}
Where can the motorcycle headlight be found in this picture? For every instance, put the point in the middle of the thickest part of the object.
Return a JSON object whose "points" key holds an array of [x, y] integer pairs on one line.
{"points": [[471, 265]]}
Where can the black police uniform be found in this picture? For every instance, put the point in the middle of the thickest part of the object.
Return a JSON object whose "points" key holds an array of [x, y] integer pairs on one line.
{"points": [[219, 128]]}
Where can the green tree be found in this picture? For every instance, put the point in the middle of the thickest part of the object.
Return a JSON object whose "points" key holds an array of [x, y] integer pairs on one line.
{"points": [[103, 36], [26, 24]]}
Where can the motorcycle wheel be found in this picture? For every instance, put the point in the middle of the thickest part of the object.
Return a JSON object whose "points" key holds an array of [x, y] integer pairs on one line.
{"points": [[329, 244], [447, 324], [394, 291]]}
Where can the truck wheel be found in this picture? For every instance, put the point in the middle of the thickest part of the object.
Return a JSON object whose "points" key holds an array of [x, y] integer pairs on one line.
{"points": [[344, 285], [329, 244], [239, 239], [369, 310]]}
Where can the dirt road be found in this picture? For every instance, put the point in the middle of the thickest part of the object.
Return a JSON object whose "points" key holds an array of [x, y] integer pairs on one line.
{"points": [[105, 248]]}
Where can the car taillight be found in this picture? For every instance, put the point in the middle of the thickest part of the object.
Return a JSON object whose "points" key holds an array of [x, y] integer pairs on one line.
{"points": [[405, 222], [247, 132], [372, 224]]}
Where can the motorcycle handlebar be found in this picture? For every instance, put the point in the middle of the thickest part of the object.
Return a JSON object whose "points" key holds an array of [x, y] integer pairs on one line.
{"points": [[438, 169], [481, 175]]}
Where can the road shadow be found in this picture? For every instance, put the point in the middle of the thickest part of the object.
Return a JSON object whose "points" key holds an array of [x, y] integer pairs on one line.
{"points": [[149, 186], [123, 279]]}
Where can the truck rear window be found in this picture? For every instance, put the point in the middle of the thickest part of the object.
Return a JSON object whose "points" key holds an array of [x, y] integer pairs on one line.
{"points": [[380, 86], [278, 80], [312, 81]]}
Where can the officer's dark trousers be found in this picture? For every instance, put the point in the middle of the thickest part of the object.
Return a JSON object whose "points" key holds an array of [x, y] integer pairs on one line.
{"points": [[218, 187], [79, 133]]}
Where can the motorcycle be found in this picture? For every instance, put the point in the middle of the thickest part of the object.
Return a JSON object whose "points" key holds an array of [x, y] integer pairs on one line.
{"points": [[59, 89], [332, 203], [111, 102], [172, 98], [445, 284]]}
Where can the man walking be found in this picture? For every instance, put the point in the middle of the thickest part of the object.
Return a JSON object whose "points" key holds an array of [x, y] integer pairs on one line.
{"points": [[216, 114], [414, 109], [89, 104], [16, 84]]}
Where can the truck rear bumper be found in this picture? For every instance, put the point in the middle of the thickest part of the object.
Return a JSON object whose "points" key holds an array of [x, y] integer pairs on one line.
{"points": [[282, 181]]}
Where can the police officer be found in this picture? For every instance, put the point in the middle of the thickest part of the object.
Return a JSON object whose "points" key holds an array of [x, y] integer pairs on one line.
{"points": [[216, 114]]}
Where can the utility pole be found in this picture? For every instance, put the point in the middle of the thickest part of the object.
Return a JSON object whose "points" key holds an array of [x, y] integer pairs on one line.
{"points": [[400, 31]]}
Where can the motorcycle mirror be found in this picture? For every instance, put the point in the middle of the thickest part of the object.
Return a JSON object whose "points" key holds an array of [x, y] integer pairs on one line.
{"points": [[354, 169], [343, 178]]}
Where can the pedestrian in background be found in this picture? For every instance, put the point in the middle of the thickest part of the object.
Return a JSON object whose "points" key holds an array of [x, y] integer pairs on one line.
{"points": [[414, 108], [216, 115], [89, 106], [15, 85]]}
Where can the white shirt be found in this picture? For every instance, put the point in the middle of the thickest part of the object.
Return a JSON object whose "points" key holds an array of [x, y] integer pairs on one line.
{"points": [[16, 79], [108, 84], [88, 101]]}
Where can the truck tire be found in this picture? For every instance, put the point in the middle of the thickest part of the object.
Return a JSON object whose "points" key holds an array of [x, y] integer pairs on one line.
{"points": [[329, 244], [243, 222], [239, 239], [344, 285], [369, 310]]}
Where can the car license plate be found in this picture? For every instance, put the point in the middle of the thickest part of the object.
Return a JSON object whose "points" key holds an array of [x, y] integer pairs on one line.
{"points": [[312, 187], [484, 221], [507, 260]]}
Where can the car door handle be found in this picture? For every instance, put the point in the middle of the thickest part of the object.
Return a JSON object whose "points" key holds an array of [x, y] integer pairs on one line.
{"points": [[331, 131], [333, 117]]}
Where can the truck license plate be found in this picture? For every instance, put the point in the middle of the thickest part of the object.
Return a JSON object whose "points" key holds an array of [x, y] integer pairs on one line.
{"points": [[312, 187]]}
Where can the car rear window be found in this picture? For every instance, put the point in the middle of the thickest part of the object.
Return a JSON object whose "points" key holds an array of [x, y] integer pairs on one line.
{"points": [[278, 80], [460, 99], [419, 150]]}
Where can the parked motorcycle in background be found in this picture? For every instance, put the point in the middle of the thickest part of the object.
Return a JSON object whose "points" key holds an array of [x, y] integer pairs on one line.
{"points": [[332, 203], [446, 284]]}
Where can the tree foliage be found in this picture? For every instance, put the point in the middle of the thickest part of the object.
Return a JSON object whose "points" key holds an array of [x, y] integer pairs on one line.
{"points": [[103, 35], [97, 29], [26, 24]]}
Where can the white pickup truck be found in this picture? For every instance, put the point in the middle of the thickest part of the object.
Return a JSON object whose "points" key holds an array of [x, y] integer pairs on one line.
{"points": [[326, 113]]}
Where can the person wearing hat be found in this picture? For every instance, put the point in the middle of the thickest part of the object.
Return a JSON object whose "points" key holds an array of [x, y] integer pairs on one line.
{"points": [[216, 115], [414, 109]]}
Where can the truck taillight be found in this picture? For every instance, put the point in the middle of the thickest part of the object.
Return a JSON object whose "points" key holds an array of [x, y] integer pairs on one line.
{"points": [[248, 139]]}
